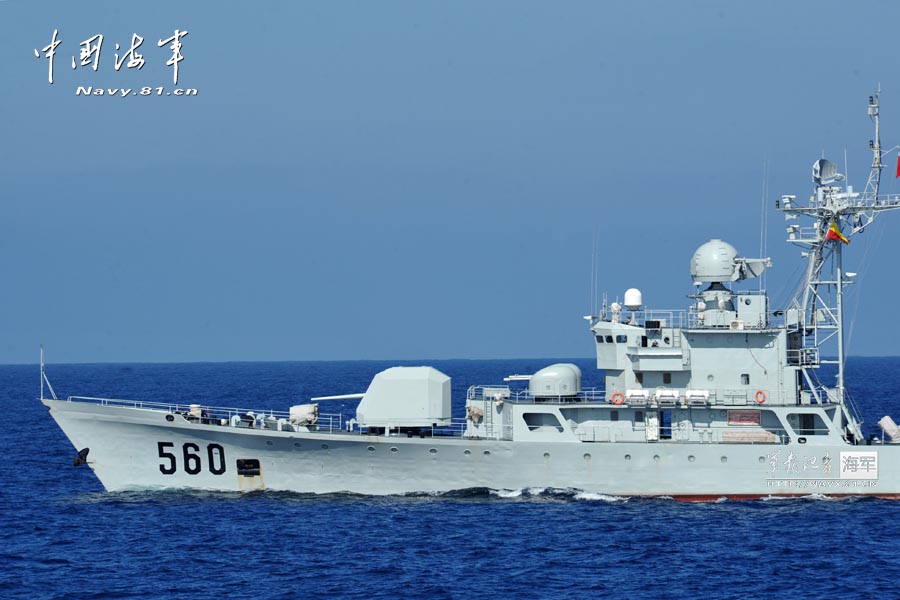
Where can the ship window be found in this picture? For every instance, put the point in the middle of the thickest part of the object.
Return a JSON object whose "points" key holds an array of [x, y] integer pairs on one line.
{"points": [[542, 422], [809, 424], [609, 339], [745, 379], [639, 377], [638, 416], [599, 339], [613, 415], [667, 378], [621, 339]]}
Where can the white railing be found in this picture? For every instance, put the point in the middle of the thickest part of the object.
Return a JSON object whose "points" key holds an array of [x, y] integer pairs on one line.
{"points": [[495, 393], [455, 428], [218, 415], [274, 419], [803, 357], [690, 318]]}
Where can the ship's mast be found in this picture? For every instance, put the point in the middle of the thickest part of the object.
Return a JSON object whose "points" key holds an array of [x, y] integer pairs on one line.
{"points": [[817, 313]]}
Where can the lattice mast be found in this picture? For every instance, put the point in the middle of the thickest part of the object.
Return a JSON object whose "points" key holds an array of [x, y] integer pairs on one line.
{"points": [[839, 214]]}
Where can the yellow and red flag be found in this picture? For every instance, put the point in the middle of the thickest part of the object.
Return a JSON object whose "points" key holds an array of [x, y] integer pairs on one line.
{"points": [[835, 234]]}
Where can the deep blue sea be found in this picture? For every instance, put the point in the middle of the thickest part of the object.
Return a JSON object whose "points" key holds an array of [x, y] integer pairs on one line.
{"points": [[62, 536]]}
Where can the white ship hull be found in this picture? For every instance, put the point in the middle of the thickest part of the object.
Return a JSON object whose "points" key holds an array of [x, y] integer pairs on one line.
{"points": [[137, 449]]}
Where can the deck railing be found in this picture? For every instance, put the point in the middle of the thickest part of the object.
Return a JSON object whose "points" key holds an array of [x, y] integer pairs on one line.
{"points": [[489, 392], [219, 415], [274, 419]]}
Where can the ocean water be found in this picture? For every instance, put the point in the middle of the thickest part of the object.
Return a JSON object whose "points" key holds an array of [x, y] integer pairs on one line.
{"points": [[62, 536]]}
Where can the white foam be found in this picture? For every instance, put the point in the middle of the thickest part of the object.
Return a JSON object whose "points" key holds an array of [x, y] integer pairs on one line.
{"points": [[822, 497], [508, 493], [593, 496]]}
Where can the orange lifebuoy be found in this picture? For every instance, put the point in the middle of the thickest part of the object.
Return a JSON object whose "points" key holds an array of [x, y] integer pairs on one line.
{"points": [[760, 397], [618, 398]]}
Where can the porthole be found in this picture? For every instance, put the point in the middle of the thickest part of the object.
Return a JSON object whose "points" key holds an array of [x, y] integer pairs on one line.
{"points": [[170, 418], [762, 459], [394, 449], [467, 452], [432, 450], [487, 452], [710, 377], [296, 444], [627, 457], [546, 455], [587, 457], [268, 442], [656, 457], [371, 448], [691, 458], [324, 446], [724, 459]]}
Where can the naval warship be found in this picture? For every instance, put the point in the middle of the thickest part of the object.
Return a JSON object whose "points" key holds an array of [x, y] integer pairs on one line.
{"points": [[721, 399]]}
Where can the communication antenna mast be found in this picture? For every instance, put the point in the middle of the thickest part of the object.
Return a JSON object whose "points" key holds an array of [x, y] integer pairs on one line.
{"points": [[816, 316]]}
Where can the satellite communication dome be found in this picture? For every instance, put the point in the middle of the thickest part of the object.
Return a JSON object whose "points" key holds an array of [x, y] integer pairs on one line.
{"points": [[714, 262], [633, 299]]}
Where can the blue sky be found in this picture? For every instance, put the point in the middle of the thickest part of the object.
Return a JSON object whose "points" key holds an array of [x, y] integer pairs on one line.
{"points": [[380, 180]]}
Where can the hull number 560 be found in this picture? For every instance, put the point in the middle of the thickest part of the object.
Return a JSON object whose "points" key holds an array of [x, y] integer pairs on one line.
{"points": [[191, 461]]}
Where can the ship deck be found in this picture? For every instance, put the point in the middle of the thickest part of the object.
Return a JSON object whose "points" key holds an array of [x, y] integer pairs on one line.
{"points": [[266, 419]]}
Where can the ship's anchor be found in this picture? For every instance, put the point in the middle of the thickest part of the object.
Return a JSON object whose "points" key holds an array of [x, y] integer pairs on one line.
{"points": [[81, 459]]}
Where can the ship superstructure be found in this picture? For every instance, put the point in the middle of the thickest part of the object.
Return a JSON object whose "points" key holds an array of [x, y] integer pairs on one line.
{"points": [[718, 399]]}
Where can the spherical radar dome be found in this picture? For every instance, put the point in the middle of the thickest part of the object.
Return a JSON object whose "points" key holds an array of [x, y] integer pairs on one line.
{"points": [[714, 261]]}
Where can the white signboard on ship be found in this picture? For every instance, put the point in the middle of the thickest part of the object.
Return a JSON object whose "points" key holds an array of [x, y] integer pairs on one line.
{"points": [[859, 465]]}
